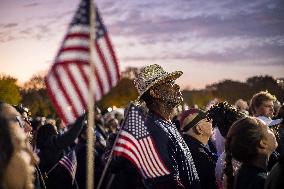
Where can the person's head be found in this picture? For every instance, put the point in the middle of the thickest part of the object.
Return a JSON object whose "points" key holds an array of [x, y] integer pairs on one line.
{"points": [[98, 116], [36, 123], [157, 87], [249, 137], [24, 112], [111, 123], [276, 107], [51, 121], [16, 158], [60, 124], [119, 116], [261, 104], [194, 122], [44, 133], [83, 134], [248, 140], [223, 115], [241, 105]]}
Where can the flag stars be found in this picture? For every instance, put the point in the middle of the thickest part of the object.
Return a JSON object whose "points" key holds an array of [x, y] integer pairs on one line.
{"points": [[135, 123]]}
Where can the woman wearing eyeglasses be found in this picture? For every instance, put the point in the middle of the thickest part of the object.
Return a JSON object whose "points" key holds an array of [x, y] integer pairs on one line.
{"points": [[17, 161]]}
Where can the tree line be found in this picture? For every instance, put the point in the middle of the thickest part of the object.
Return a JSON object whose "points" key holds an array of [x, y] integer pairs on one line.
{"points": [[33, 93]]}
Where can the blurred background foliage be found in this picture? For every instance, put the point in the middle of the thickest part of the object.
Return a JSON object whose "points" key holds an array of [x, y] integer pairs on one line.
{"points": [[33, 93]]}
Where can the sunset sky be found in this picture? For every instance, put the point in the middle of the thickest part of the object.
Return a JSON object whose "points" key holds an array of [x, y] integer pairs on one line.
{"points": [[208, 40]]}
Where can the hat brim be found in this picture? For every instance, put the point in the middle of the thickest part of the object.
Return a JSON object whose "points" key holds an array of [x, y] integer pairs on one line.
{"points": [[169, 77]]}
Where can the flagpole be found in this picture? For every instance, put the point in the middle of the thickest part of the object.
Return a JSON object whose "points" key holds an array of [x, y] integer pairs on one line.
{"points": [[111, 152], [91, 128]]}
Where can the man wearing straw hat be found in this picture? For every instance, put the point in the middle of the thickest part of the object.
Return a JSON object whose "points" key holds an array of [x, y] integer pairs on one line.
{"points": [[157, 88]]}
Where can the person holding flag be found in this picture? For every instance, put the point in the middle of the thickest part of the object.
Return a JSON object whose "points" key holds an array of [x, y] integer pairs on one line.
{"points": [[57, 158], [153, 144]]}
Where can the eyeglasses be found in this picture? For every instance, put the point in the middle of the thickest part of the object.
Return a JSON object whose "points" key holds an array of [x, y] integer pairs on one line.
{"points": [[24, 119], [17, 119]]}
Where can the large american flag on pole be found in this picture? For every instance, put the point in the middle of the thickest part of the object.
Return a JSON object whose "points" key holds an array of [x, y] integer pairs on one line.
{"points": [[68, 80], [135, 144]]}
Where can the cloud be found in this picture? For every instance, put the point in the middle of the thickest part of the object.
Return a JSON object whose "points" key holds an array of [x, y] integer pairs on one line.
{"points": [[31, 5], [249, 25], [26, 31], [38, 20], [218, 31], [236, 50], [9, 25], [214, 18]]}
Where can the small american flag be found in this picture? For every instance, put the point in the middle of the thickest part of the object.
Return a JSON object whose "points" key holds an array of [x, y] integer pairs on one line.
{"points": [[69, 162], [136, 145], [68, 80]]}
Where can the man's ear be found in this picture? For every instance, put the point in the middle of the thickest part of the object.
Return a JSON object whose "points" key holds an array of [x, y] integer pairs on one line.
{"points": [[154, 94], [198, 129], [262, 144]]}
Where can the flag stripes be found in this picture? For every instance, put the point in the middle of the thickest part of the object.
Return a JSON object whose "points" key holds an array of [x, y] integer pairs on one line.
{"points": [[142, 153], [69, 162]]}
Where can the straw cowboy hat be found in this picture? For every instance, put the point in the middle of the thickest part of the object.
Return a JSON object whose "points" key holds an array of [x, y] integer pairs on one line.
{"points": [[153, 75]]}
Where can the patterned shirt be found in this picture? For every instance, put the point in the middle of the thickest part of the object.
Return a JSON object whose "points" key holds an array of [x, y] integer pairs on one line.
{"points": [[173, 150]]}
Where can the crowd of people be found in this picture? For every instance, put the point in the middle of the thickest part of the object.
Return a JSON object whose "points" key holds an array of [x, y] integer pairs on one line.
{"points": [[225, 146]]}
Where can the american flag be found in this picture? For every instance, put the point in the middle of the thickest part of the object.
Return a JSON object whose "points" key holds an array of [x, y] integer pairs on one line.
{"points": [[68, 80], [69, 162], [136, 145]]}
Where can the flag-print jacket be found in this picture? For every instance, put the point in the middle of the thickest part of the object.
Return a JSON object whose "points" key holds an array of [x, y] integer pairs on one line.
{"points": [[174, 153]]}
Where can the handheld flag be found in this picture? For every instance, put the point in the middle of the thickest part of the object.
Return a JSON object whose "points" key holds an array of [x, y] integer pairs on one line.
{"points": [[69, 162], [135, 144]]}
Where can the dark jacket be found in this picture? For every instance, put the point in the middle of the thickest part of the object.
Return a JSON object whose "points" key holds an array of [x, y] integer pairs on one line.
{"points": [[205, 162], [121, 172], [250, 177], [123, 175], [275, 178], [81, 173], [53, 150], [280, 139]]}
